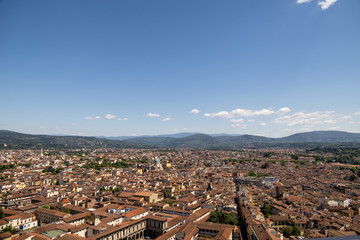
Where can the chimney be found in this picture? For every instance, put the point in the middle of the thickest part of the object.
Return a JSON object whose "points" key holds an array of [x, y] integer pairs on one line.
{"points": [[96, 220]]}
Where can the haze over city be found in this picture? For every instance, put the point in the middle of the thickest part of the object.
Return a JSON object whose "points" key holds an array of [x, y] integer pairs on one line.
{"points": [[119, 68]]}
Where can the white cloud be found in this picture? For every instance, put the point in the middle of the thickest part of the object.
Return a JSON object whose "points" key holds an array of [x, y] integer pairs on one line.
{"points": [[251, 120], [152, 115], [240, 120], [181, 130], [325, 4], [288, 130], [303, 1], [346, 117], [92, 118], [296, 130], [194, 111], [356, 114], [223, 114], [284, 110], [314, 118], [123, 119], [251, 113], [262, 124], [245, 113], [333, 128], [110, 116], [107, 116], [167, 119], [239, 125], [304, 129], [74, 124]]}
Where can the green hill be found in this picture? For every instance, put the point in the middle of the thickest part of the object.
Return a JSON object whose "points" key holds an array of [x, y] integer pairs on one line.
{"points": [[16, 140], [196, 141], [323, 136]]}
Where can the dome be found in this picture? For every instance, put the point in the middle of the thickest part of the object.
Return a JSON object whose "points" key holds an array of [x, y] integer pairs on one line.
{"points": [[157, 160]]}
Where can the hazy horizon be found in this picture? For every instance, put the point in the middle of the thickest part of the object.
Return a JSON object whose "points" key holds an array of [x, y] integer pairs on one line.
{"points": [[164, 134]]}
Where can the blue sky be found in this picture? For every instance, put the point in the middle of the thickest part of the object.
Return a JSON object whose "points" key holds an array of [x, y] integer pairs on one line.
{"points": [[134, 67]]}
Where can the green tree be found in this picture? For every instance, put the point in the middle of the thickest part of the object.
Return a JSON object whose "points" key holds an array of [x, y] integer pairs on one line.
{"points": [[266, 210], [144, 160], [296, 231], [214, 216], [267, 154], [116, 190], [265, 165], [252, 174], [231, 219], [27, 165], [90, 217], [66, 210], [218, 216], [287, 231], [169, 202], [319, 158], [353, 178], [165, 194], [8, 229], [2, 214], [46, 207], [206, 236]]}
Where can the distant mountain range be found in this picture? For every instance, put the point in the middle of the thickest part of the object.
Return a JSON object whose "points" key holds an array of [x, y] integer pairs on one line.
{"points": [[197, 140], [9, 139], [179, 140], [175, 135]]}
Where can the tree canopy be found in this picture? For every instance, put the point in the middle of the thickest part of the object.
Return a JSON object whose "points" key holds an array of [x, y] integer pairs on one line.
{"points": [[218, 216]]}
